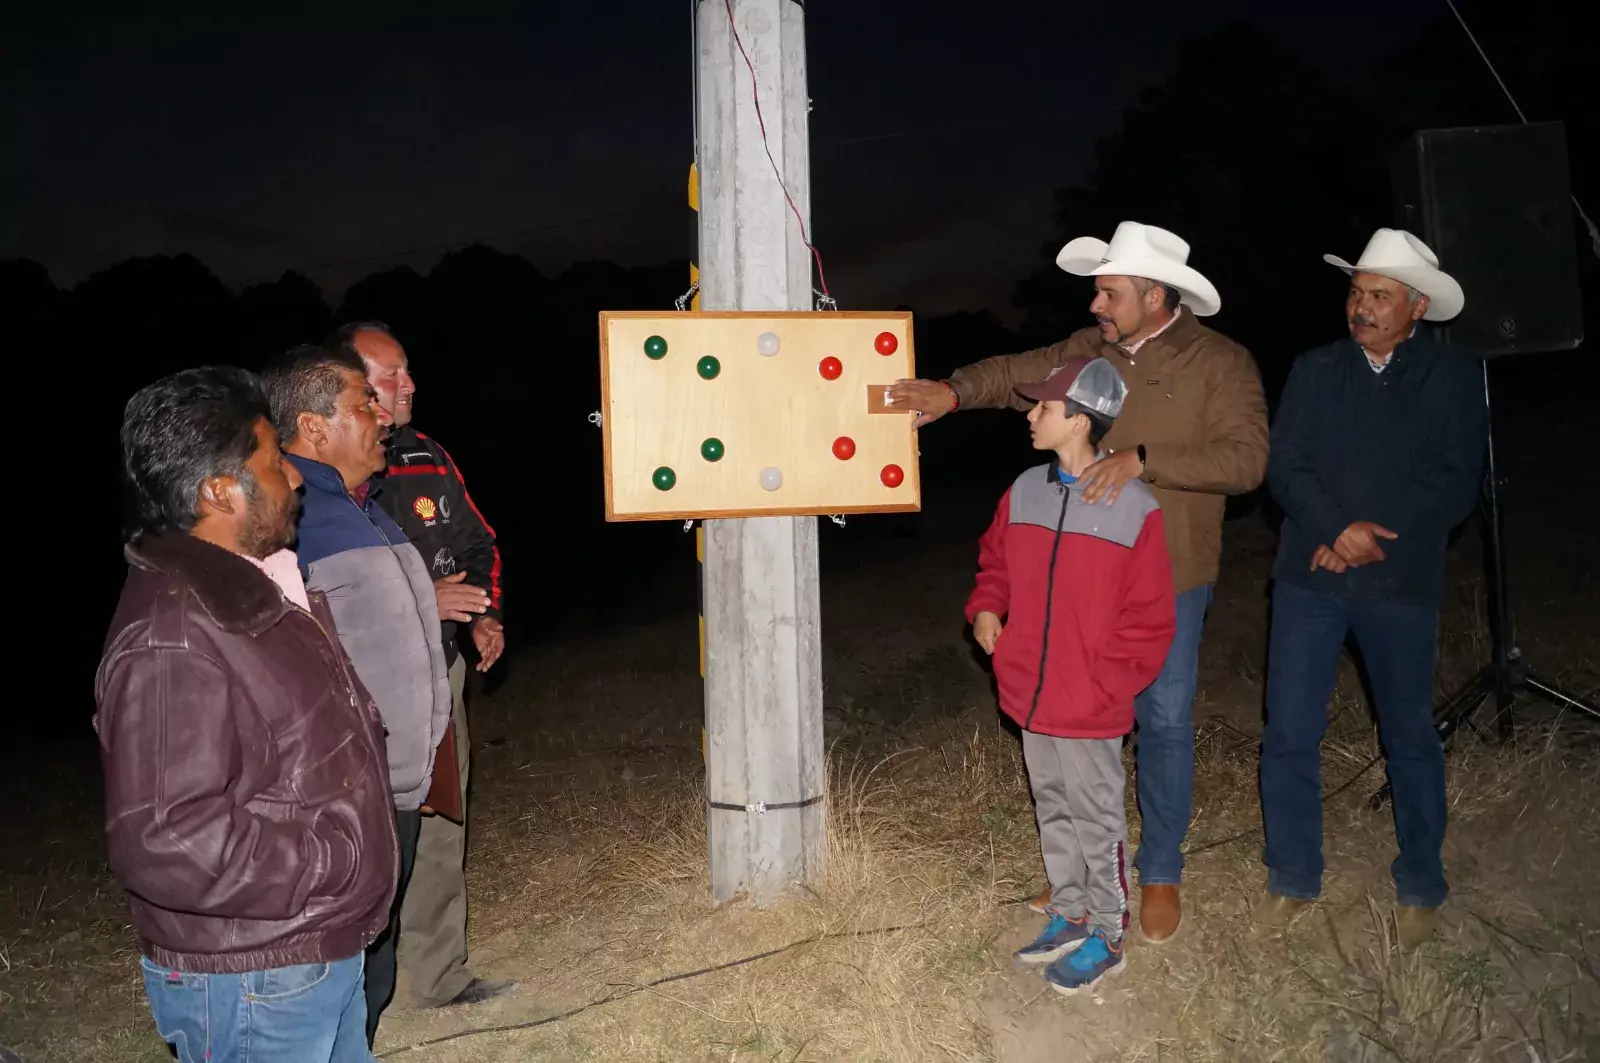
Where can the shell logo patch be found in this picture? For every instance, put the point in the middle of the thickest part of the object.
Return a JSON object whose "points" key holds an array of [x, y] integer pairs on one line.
{"points": [[423, 508]]}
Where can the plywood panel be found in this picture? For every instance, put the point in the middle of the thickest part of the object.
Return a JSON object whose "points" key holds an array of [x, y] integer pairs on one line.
{"points": [[778, 412]]}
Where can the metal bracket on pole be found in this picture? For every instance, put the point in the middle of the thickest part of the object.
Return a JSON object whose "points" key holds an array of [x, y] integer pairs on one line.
{"points": [[761, 808]]}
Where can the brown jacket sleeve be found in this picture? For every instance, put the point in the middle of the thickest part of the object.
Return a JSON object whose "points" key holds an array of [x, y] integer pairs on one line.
{"points": [[176, 834], [1231, 458], [989, 384]]}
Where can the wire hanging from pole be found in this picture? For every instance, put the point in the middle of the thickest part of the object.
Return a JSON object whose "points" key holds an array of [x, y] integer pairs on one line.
{"points": [[694, 75], [766, 144], [1594, 233]]}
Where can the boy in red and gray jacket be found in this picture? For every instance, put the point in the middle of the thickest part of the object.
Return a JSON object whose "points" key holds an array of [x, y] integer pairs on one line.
{"points": [[1085, 590]]}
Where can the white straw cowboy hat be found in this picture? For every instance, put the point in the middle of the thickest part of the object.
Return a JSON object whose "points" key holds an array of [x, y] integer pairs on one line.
{"points": [[1396, 254], [1144, 251]]}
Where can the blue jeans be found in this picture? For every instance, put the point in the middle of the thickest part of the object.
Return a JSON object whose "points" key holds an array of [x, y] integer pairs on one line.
{"points": [[310, 1013], [1397, 645], [1164, 754]]}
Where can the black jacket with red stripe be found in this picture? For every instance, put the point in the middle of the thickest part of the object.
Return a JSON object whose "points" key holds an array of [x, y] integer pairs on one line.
{"points": [[424, 493]]}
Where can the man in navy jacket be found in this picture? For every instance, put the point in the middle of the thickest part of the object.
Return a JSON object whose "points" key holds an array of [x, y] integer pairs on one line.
{"points": [[1377, 454]]}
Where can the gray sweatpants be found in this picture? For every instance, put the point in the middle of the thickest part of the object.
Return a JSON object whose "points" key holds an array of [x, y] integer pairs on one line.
{"points": [[1083, 828]]}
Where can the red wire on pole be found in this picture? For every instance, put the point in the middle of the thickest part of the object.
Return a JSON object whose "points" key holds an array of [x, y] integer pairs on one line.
{"points": [[822, 280]]}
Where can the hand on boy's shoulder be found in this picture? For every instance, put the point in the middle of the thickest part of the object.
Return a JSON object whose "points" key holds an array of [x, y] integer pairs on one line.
{"points": [[1106, 477], [986, 629]]}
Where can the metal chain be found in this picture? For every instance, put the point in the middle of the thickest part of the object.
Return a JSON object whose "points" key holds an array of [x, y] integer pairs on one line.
{"points": [[682, 301]]}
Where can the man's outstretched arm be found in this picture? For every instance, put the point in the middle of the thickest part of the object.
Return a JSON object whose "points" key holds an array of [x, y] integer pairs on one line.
{"points": [[989, 384]]}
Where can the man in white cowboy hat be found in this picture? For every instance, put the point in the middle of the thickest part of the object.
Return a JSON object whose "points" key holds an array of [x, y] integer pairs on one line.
{"points": [[1377, 453], [1194, 430]]}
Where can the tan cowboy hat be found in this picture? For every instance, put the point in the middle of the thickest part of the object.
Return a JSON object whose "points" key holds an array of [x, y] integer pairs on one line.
{"points": [[1396, 254], [1138, 250]]}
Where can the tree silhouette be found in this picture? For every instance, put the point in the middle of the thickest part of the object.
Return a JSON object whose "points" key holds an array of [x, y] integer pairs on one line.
{"points": [[1263, 165], [275, 316], [1254, 159], [398, 297]]}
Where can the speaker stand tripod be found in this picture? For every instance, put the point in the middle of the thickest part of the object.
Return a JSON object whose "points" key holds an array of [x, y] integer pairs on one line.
{"points": [[1506, 676]]}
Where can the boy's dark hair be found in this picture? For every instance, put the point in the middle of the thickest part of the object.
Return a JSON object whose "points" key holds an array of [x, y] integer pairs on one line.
{"points": [[1099, 423], [307, 380], [178, 433]]}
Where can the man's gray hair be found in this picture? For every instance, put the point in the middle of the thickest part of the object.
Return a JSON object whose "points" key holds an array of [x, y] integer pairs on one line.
{"points": [[308, 379]]}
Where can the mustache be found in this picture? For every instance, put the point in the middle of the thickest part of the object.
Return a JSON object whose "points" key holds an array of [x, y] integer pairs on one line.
{"points": [[1364, 319]]}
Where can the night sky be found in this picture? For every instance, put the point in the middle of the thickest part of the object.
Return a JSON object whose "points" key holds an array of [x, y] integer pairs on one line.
{"points": [[332, 144]]}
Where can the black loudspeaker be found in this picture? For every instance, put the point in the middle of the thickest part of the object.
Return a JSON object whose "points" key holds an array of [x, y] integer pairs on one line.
{"points": [[1495, 204]]}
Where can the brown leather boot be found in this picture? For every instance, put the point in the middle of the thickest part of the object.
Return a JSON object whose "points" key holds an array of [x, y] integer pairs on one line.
{"points": [[1041, 903], [1159, 913], [1414, 925], [1276, 912]]}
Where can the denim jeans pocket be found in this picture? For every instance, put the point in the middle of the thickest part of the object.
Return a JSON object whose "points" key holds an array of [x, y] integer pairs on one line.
{"points": [[285, 983], [157, 974], [180, 1005]]}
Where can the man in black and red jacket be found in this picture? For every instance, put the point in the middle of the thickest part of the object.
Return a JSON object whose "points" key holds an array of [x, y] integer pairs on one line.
{"points": [[425, 495]]}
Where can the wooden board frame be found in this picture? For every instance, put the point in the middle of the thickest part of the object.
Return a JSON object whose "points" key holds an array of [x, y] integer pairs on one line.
{"points": [[904, 365]]}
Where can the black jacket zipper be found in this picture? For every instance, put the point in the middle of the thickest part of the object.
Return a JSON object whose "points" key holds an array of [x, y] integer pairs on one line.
{"points": [[1049, 591]]}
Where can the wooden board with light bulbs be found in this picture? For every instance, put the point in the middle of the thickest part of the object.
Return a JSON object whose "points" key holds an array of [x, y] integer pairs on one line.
{"points": [[755, 414]]}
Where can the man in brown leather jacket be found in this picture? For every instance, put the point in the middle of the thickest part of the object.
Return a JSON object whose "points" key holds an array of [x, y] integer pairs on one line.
{"points": [[1194, 430], [248, 812]]}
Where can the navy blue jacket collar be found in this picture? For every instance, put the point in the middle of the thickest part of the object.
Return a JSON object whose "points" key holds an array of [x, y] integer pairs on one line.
{"points": [[326, 478]]}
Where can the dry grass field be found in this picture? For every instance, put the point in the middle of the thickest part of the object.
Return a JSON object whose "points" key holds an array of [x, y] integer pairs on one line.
{"points": [[588, 879]]}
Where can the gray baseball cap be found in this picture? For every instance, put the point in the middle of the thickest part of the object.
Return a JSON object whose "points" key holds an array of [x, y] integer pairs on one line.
{"points": [[1092, 383]]}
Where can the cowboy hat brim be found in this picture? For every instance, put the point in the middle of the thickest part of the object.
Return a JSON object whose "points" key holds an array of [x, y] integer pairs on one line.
{"points": [[1085, 257], [1445, 297]]}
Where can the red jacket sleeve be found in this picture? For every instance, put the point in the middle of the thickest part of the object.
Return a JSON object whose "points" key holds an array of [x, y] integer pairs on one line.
{"points": [[1133, 655], [993, 591]]}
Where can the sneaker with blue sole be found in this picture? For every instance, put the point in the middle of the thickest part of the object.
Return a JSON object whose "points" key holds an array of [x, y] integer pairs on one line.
{"points": [[1086, 966], [1060, 936]]}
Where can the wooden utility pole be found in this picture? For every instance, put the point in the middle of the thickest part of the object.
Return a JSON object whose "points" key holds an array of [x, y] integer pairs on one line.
{"points": [[765, 766]]}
